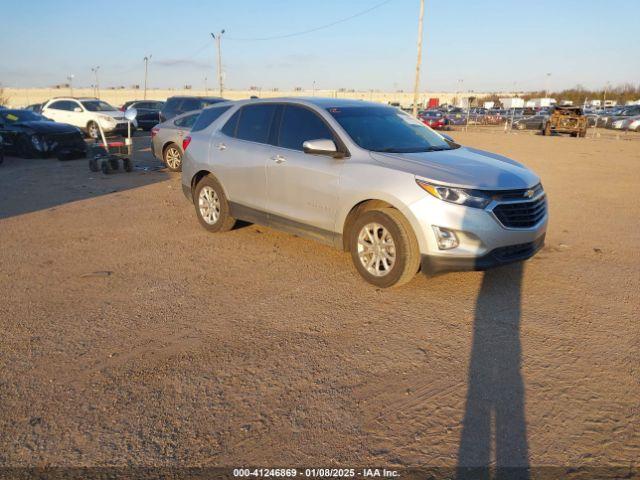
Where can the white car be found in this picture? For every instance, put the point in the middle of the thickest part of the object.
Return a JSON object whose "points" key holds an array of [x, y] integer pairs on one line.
{"points": [[86, 114]]}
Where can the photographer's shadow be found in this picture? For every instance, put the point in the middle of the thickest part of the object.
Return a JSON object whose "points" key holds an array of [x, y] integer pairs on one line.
{"points": [[494, 418]]}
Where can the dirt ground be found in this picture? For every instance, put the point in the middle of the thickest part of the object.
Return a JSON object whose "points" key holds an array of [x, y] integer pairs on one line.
{"points": [[131, 336]]}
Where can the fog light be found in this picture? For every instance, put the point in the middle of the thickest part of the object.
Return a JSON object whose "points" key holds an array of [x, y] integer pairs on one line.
{"points": [[446, 238]]}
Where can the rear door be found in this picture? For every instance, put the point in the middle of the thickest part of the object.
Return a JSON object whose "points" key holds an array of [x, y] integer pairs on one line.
{"points": [[58, 111], [302, 187], [239, 153]]}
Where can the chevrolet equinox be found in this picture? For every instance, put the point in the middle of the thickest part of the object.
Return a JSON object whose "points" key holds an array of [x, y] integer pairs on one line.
{"points": [[366, 178]]}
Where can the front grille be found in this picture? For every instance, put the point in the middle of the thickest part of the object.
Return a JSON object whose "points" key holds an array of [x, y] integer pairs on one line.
{"points": [[514, 253], [520, 194], [521, 214]]}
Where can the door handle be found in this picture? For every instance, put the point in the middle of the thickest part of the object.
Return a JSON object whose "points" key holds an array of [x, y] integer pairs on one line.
{"points": [[278, 159], [221, 146]]}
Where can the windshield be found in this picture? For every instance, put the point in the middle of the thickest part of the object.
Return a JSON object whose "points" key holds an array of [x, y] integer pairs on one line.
{"points": [[14, 116], [386, 129], [97, 106]]}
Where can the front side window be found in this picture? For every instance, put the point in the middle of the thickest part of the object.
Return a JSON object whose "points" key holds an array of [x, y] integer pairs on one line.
{"points": [[300, 124], [255, 122], [207, 117], [386, 129], [97, 106]]}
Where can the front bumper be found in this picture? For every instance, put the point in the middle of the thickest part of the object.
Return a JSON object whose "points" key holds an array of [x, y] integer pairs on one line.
{"points": [[483, 240], [432, 264]]}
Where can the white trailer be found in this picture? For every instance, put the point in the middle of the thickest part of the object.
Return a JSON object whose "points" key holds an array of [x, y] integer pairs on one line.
{"points": [[512, 102]]}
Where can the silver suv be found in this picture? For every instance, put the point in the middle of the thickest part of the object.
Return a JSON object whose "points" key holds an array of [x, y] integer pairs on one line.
{"points": [[366, 178]]}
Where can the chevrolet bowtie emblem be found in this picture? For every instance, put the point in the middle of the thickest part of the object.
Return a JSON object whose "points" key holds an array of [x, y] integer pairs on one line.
{"points": [[529, 193]]}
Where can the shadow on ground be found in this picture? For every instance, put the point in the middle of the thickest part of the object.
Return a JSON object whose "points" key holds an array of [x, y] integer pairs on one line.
{"points": [[494, 419], [29, 185]]}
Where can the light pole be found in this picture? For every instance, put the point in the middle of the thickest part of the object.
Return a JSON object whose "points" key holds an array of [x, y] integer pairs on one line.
{"points": [[546, 93], [146, 71], [218, 39], [70, 78], [416, 85], [95, 71]]}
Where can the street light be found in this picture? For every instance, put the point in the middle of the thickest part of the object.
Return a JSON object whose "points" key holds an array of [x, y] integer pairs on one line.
{"points": [[95, 71], [70, 79], [146, 70]]}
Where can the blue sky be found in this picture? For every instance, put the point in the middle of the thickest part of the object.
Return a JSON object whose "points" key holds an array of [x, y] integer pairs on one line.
{"points": [[489, 45]]}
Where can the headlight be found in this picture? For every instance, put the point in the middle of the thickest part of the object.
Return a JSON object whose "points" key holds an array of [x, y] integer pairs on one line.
{"points": [[460, 196]]}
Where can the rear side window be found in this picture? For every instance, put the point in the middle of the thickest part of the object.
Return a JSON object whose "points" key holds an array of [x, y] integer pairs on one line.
{"points": [[207, 117], [186, 121], [299, 125], [255, 123], [229, 128]]}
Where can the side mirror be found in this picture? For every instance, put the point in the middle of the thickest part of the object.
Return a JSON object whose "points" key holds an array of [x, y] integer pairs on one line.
{"points": [[322, 146], [77, 109], [131, 114], [448, 138]]}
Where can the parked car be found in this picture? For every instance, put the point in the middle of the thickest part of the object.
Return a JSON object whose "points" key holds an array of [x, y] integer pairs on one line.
{"points": [[148, 112], [29, 135], [167, 138], [175, 106], [534, 122], [1, 147], [86, 114], [34, 107], [434, 119], [366, 178], [623, 114], [627, 123], [566, 120]]}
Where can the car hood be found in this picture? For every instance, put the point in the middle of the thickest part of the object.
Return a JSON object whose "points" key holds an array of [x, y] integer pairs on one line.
{"points": [[43, 126], [462, 167], [117, 114]]}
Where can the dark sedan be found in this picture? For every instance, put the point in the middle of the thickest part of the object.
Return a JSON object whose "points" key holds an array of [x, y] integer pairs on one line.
{"points": [[534, 122], [148, 112], [28, 134], [178, 105]]}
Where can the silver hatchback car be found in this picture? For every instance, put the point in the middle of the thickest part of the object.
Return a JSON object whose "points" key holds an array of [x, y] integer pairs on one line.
{"points": [[366, 178]]}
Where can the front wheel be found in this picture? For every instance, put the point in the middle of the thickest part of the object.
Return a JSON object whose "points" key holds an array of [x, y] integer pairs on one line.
{"points": [[212, 208], [173, 158], [384, 248]]}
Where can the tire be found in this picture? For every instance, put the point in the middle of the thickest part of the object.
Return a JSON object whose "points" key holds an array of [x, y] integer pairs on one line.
{"points": [[93, 131], [105, 167], [93, 165], [127, 165], [25, 149], [404, 255], [114, 164], [212, 207], [172, 158], [547, 131]]}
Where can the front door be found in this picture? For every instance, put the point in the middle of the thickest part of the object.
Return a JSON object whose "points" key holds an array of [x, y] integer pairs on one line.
{"points": [[301, 187]]}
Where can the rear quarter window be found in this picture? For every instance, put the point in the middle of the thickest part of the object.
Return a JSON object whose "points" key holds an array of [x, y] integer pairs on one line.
{"points": [[254, 124], [207, 117]]}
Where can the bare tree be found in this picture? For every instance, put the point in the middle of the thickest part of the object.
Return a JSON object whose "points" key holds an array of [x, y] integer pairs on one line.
{"points": [[3, 99]]}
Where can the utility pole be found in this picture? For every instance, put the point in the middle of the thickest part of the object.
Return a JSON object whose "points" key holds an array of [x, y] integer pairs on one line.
{"points": [[416, 86], [146, 71], [95, 71], [547, 88], [70, 78], [218, 39], [206, 89]]}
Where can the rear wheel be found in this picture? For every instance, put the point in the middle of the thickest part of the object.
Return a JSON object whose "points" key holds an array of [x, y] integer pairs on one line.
{"points": [[212, 208], [547, 130], [173, 158], [384, 248]]}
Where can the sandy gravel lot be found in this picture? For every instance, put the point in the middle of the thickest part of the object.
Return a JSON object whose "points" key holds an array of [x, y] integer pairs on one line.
{"points": [[130, 336]]}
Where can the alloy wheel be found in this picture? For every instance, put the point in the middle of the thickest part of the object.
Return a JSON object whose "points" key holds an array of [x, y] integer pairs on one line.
{"points": [[209, 205], [376, 249], [173, 158]]}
